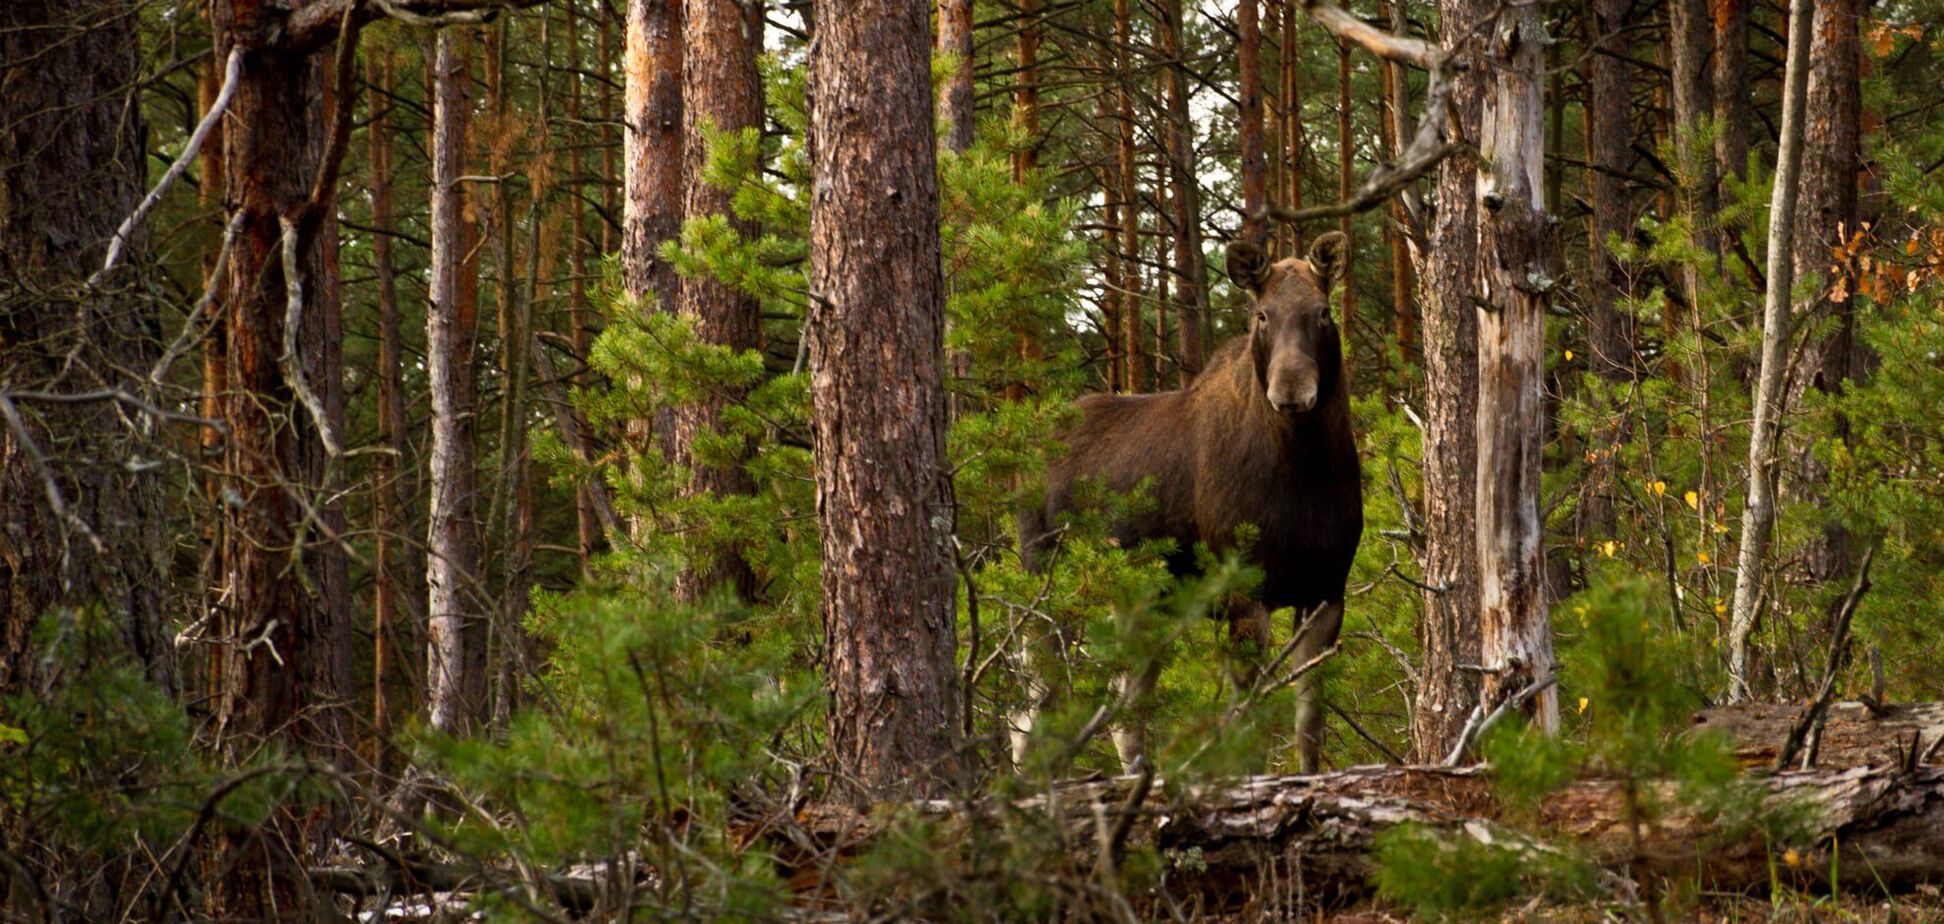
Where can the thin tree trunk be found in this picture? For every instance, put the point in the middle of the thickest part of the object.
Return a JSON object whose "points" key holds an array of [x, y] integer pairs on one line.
{"points": [[1449, 633], [580, 314], [1255, 180], [1608, 137], [721, 91], [1114, 284], [81, 525], [1191, 268], [1397, 241], [1514, 262], [457, 622], [955, 99], [1732, 107], [1764, 441], [1129, 174], [1346, 185], [210, 171], [876, 335], [1025, 159], [1293, 147], [388, 507], [1690, 34]]}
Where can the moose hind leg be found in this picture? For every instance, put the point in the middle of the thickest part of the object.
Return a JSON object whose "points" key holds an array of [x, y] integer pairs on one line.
{"points": [[1316, 633]]}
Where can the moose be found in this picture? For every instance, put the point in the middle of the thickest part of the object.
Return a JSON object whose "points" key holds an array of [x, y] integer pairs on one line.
{"points": [[1261, 437]]}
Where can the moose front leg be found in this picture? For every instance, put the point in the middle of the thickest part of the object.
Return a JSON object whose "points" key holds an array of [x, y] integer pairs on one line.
{"points": [[1316, 633], [1249, 640]]}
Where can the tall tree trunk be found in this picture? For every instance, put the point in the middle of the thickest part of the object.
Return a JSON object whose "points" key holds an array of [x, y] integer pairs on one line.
{"points": [[1293, 145], [1398, 242], [79, 525], [1163, 276], [1191, 269], [1690, 34], [457, 621], [955, 98], [580, 313], [1129, 174], [1255, 180], [215, 370], [1514, 264], [1732, 107], [1828, 216], [283, 659], [1449, 633], [1114, 282], [388, 505], [876, 334], [721, 91], [1025, 158], [1764, 440], [1346, 184], [1609, 102], [653, 124]]}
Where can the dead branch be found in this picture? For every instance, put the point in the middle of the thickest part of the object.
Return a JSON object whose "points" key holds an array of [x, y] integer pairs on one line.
{"points": [[231, 70]]}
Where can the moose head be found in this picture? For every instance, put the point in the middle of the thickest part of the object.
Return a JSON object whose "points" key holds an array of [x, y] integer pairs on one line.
{"points": [[1293, 339]]}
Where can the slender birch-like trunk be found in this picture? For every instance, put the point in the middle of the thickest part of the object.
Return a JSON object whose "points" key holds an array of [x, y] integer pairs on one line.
{"points": [[1764, 440]]}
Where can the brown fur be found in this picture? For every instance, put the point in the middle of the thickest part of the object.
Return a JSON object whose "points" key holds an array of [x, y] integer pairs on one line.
{"points": [[1217, 455]]}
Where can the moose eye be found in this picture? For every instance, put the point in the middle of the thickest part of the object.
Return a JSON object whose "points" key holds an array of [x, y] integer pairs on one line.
{"points": [[1262, 317]]}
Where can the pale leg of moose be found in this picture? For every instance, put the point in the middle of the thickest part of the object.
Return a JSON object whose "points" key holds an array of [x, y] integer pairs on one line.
{"points": [[1319, 633]]}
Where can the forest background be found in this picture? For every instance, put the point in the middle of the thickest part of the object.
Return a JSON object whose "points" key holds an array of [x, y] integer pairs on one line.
{"points": [[449, 463]]}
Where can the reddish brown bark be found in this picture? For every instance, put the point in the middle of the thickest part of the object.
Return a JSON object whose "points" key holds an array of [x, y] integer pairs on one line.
{"points": [[283, 639], [652, 188], [1190, 266], [1132, 368], [876, 333], [955, 99], [1608, 137], [1255, 180], [1732, 108], [388, 505], [721, 91]]}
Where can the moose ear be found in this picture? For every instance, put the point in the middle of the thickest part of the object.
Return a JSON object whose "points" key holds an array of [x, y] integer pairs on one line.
{"points": [[1248, 265], [1329, 256]]}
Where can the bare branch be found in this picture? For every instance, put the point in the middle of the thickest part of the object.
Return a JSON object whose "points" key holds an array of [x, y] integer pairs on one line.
{"points": [[1347, 26], [1480, 722], [231, 71], [184, 339], [1428, 146], [292, 363]]}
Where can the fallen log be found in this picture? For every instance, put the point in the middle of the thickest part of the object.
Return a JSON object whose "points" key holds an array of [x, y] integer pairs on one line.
{"points": [[1854, 734], [1310, 838]]}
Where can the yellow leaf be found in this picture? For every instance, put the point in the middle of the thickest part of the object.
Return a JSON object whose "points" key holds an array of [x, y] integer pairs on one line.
{"points": [[1607, 547], [12, 735], [1659, 488], [1721, 609], [1693, 500], [1569, 356], [1792, 858], [1701, 557], [1721, 528], [1582, 704]]}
